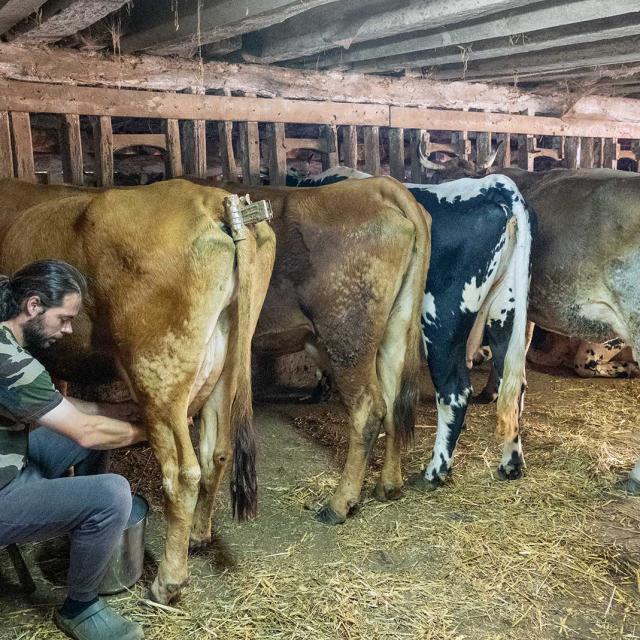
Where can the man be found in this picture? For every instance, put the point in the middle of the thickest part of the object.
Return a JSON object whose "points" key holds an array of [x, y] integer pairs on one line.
{"points": [[42, 434]]}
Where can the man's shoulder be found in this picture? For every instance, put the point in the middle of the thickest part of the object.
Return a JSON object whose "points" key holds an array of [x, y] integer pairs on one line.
{"points": [[17, 366]]}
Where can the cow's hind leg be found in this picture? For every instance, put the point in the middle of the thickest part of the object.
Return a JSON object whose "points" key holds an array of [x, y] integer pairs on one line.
{"points": [[214, 452], [366, 408], [453, 389], [509, 409], [169, 438]]}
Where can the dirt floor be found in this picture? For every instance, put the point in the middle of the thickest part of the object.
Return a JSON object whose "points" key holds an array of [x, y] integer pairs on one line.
{"points": [[553, 555]]}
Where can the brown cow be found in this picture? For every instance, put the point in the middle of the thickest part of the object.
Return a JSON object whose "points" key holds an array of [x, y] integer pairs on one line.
{"points": [[347, 286], [171, 314]]}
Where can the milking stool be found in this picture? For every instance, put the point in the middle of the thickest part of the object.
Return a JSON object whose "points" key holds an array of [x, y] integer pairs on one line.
{"points": [[24, 575]]}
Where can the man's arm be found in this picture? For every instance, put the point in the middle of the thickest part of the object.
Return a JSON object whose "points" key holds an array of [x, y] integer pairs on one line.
{"points": [[91, 431]]}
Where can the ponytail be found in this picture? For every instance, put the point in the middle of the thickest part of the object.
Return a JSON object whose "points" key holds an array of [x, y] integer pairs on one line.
{"points": [[9, 308]]}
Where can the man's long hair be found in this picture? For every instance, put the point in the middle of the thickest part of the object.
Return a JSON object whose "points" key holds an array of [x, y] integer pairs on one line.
{"points": [[50, 280]]}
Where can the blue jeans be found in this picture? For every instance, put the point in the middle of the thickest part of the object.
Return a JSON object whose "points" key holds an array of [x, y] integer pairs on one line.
{"points": [[92, 509]]}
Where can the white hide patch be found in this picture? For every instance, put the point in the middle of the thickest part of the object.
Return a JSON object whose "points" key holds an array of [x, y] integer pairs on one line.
{"points": [[464, 188], [429, 308], [474, 294]]}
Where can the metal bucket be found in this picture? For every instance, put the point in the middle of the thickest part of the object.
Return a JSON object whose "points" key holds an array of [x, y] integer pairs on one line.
{"points": [[126, 564]]}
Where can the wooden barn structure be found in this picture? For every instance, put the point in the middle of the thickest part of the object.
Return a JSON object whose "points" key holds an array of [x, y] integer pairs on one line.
{"points": [[95, 87]]}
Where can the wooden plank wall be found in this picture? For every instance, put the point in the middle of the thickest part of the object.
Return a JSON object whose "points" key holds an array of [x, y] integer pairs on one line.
{"points": [[184, 116]]}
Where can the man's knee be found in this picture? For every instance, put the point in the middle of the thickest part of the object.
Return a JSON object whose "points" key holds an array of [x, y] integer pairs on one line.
{"points": [[115, 496]]}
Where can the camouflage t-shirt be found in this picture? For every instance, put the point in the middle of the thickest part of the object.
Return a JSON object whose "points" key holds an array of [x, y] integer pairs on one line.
{"points": [[26, 394]]}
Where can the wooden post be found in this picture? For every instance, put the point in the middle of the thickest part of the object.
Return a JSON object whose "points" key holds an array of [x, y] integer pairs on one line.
{"points": [[372, 150], [103, 150], [414, 143], [461, 143], [250, 152], [396, 153], [330, 155], [609, 153], [227, 155], [586, 153], [503, 159], [350, 146], [22, 146], [483, 147], [572, 151], [6, 155], [525, 147], [277, 153], [194, 143], [598, 145], [173, 158], [71, 149]]}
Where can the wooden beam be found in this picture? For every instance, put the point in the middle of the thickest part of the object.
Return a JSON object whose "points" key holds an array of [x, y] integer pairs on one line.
{"points": [[103, 150], [350, 146], [483, 146], [317, 144], [194, 142], [442, 120], [530, 20], [71, 150], [415, 137], [598, 144], [540, 39], [173, 157], [62, 18], [503, 159], [601, 53], [250, 151], [609, 155], [136, 104], [14, 11], [22, 146], [330, 155], [396, 153], [372, 150], [572, 151], [352, 22], [586, 153], [124, 140], [166, 74], [6, 154], [154, 26], [277, 153]]}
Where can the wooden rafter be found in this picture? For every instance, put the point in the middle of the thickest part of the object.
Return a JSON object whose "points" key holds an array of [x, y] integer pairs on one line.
{"points": [[156, 28], [62, 18], [519, 26], [353, 21]]}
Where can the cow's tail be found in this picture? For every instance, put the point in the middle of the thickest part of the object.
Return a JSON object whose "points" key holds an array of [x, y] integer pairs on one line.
{"points": [[243, 483], [511, 391], [409, 301]]}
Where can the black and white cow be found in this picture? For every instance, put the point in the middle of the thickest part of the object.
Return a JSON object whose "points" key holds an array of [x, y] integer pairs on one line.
{"points": [[477, 285]]}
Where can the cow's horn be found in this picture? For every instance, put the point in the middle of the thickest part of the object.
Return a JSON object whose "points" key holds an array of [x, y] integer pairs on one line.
{"points": [[425, 162], [492, 158]]}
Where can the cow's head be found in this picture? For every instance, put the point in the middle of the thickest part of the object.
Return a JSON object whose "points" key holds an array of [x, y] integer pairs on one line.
{"points": [[454, 168]]}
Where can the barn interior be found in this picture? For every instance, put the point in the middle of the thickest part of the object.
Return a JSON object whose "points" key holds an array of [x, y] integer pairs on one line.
{"points": [[124, 92]]}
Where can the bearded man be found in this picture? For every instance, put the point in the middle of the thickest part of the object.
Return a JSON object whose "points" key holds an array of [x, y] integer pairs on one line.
{"points": [[43, 433]]}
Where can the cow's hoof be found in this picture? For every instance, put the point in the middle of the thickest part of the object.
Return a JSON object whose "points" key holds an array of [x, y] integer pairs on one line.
{"points": [[384, 493], [165, 593], [510, 472], [418, 481], [484, 397], [629, 486], [196, 546], [327, 515]]}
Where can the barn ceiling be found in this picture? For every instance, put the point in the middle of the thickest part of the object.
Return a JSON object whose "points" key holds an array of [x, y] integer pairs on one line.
{"points": [[548, 45]]}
